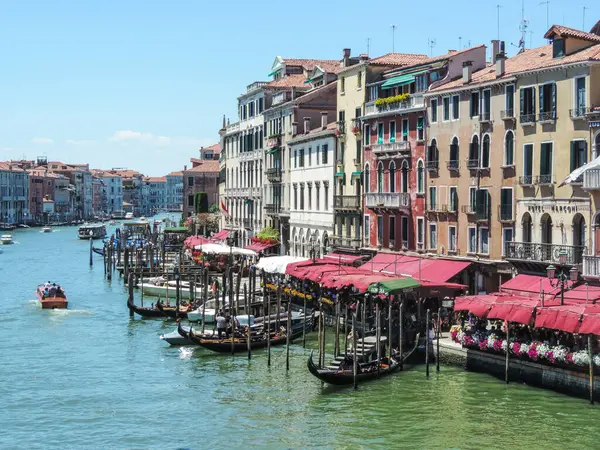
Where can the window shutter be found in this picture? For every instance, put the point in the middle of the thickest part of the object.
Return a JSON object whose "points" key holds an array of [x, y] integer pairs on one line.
{"points": [[533, 99], [542, 99], [522, 101], [554, 98], [585, 154], [480, 201], [544, 160], [573, 156]]}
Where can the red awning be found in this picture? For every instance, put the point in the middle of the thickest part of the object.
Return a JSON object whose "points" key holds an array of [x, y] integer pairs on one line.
{"points": [[357, 280], [259, 247], [340, 258], [514, 309], [422, 269], [569, 318], [590, 323], [192, 241], [529, 286], [479, 305], [582, 293], [220, 236]]}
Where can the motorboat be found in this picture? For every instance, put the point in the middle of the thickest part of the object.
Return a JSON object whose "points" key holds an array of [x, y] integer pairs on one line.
{"points": [[210, 311], [168, 289], [47, 229], [6, 239], [129, 216], [94, 231], [51, 296]]}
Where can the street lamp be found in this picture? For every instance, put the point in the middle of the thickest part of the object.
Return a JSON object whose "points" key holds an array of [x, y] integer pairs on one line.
{"points": [[562, 279]]}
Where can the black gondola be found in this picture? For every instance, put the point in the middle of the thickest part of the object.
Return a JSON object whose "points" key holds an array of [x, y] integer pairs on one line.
{"points": [[145, 311], [98, 250], [365, 372], [170, 311]]}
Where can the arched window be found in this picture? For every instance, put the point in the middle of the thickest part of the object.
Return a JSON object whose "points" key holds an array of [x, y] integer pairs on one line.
{"points": [[473, 161], [420, 177], [596, 151], [404, 187], [485, 152], [509, 148], [380, 177], [367, 179], [433, 158], [579, 231], [453, 163], [392, 176], [526, 227]]}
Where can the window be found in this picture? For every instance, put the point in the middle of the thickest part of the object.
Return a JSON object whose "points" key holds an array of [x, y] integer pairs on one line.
{"points": [[190, 181], [393, 131], [509, 149], [472, 240], [420, 177], [474, 104], [580, 97], [454, 163], [472, 198], [546, 163], [527, 164], [506, 204], [473, 161], [379, 230], [296, 197], [301, 197], [359, 80], [485, 152], [578, 154], [420, 130], [455, 107], [404, 174], [527, 104], [453, 200], [433, 104], [452, 238], [446, 107], [367, 227], [404, 224], [190, 200], [433, 155], [373, 93], [380, 177], [392, 173], [326, 197], [295, 159], [420, 231], [309, 156], [251, 109], [404, 130], [548, 102], [317, 197], [558, 48], [432, 198], [510, 100], [367, 181], [432, 236], [421, 83], [508, 234], [392, 230], [324, 154], [342, 85], [367, 136], [380, 132], [260, 105], [482, 204], [486, 105], [301, 158], [484, 244]]}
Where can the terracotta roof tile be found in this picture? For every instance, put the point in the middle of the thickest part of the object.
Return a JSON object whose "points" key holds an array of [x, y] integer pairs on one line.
{"points": [[289, 81], [175, 174], [399, 59], [215, 147], [7, 166], [331, 66], [559, 30], [308, 64], [157, 179], [204, 167]]}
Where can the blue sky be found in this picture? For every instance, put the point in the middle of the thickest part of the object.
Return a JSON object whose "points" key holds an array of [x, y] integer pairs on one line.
{"points": [[143, 84]]}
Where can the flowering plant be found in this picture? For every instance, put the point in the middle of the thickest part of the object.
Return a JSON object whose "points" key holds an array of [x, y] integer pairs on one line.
{"points": [[516, 348], [491, 340], [482, 345], [596, 360], [454, 336], [581, 358], [524, 349], [559, 353]]}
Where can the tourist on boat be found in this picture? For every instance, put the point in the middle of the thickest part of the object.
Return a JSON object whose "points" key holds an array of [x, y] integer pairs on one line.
{"points": [[52, 290], [47, 285], [221, 324]]}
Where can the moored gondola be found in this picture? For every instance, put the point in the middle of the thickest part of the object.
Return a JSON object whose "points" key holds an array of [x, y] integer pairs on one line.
{"points": [[98, 250], [170, 311], [365, 372], [145, 311]]}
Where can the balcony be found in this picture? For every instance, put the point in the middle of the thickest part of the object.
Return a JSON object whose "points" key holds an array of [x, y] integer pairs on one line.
{"points": [[341, 127], [543, 253], [468, 209], [436, 207], [390, 200], [391, 149], [485, 117], [250, 156], [272, 209], [453, 165], [591, 179], [505, 213], [274, 141], [591, 266], [274, 175], [579, 113], [432, 166], [527, 119], [547, 117], [526, 180], [544, 180], [345, 242], [247, 223], [356, 127], [507, 114], [349, 202], [415, 101], [472, 164], [254, 191], [482, 214]]}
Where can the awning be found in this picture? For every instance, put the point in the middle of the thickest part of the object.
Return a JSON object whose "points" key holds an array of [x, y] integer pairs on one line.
{"points": [[423, 269], [355, 174], [478, 305], [274, 72], [220, 236], [219, 249], [392, 287], [192, 241], [398, 81], [277, 264], [358, 281], [590, 323], [341, 258], [514, 309], [339, 174], [564, 318], [530, 286], [259, 246], [582, 293]]}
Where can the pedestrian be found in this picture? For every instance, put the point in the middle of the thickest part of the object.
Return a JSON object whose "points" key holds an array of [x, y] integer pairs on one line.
{"points": [[221, 323]]}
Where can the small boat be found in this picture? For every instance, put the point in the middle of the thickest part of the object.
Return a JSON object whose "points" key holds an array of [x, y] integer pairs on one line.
{"points": [[128, 216], [156, 311], [98, 250], [6, 239], [168, 289], [94, 231], [6, 226], [47, 229], [178, 337], [171, 312], [344, 375], [53, 299], [112, 222]]}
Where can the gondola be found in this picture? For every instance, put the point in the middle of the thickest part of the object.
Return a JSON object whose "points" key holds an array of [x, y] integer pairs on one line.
{"points": [[365, 372], [240, 344], [170, 311], [98, 251], [145, 311]]}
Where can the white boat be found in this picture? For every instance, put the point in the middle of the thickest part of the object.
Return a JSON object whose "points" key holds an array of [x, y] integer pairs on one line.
{"points": [[129, 215], [95, 231], [210, 313], [47, 229], [6, 239], [165, 289], [112, 222]]}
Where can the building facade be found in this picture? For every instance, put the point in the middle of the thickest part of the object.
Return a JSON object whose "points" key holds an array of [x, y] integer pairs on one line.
{"points": [[14, 194], [157, 200], [174, 188], [202, 177]]}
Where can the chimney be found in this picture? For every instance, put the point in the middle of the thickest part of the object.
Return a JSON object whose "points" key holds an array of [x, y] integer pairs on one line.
{"points": [[293, 93], [294, 128], [495, 49], [306, 125], [324, 119], [451, 51], [346, 57], [500, 64], [467, 71], [363, 57], [185, 167]]}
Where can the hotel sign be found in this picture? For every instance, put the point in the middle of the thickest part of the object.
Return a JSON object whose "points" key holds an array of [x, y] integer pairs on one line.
{"points": [[594, 124]]}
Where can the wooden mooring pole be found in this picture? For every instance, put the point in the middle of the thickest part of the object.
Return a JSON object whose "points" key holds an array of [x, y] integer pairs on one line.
{"points": [[354, 345], [205, 297], [304, 320], [439, 331], [591, 367], [248, 318], [91, 252], [427, 342], [288, 333], [268, 322], [130, 292], [401, 332]]}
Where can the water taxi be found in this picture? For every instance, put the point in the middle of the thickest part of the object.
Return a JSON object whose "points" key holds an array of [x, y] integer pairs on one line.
{"points": [[51, 296], [6, 239], [95, 231], [129, 216], [47, 229]]}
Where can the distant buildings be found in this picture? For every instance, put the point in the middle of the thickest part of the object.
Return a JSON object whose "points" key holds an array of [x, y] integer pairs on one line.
{"points": [[158, 194], [174, 191], [14, 194], [203, 176]]}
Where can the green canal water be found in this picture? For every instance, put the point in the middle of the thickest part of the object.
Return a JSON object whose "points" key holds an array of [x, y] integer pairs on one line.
{"points": [[89, 377]]}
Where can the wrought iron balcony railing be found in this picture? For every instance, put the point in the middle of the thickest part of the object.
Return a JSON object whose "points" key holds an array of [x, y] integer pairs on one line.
{"points": [[507, 114], [543, 253], [387, 199], [346, 202], [453, 164], [547, 116], [527, 119]]}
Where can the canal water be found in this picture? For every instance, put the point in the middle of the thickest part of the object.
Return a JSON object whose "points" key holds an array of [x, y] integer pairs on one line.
{"points": [[89, 377]]}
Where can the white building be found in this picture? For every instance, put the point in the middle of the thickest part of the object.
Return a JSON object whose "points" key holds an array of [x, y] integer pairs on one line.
{"points": [[311, 177], [112, 190], [174, 191]]}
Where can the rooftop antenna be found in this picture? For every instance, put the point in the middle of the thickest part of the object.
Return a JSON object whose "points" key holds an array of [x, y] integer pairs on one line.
{"points": [[547, 3], [523, 27], [431, 43], [584, 8], [498, 14], [368, 46], [393, 36]]}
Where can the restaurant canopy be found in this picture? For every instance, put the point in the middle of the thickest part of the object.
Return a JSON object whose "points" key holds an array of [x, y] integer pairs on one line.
{"points": [[192, 241], [394, 286], [478, 305], [277, 264], [514, 308], [530, 286], [219, 249], [220, 236], [427, 269], [358, 281], [259, 247], [568, 318], [340, 258]]}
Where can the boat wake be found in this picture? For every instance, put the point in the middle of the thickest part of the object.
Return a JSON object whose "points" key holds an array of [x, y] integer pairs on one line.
{"points": [[70, 312], [186, 352]]}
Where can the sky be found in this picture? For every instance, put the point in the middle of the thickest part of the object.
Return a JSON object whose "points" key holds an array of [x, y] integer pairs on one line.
{"points": [[144, 84]]}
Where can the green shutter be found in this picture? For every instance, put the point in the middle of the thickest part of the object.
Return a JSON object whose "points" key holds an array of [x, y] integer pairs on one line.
{"points": [[420, 123], [585, 153], [543, 165], [554, 98], [573, 156], [522, 101], [533, 99], [542, 99]]}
